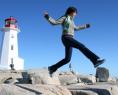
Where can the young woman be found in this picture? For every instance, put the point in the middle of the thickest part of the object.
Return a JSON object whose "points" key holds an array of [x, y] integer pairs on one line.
{"points": [[68, 40]]}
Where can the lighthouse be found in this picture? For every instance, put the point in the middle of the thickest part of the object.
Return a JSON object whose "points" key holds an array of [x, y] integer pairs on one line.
{"points": [[9, 57]]}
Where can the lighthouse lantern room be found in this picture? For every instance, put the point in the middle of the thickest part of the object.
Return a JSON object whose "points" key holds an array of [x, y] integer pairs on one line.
{"points": [[9, 49]]}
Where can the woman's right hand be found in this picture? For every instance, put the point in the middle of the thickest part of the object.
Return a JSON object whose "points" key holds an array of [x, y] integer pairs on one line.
{"points": [[46, 15]]}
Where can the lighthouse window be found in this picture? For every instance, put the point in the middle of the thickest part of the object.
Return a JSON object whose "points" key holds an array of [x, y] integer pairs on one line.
{"points": [[11, 60], [7, 22], [12, 47], [12, 36], [12, 22]]}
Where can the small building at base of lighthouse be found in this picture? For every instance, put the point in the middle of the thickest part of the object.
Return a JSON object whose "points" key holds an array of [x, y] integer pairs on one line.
{"points": [[9, 58]]}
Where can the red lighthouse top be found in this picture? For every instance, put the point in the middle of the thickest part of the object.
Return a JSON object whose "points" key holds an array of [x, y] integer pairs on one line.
{"points": [[11, 22]]}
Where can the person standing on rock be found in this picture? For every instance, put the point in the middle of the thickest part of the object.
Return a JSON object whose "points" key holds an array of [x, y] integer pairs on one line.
{"points": [[68, 28]]}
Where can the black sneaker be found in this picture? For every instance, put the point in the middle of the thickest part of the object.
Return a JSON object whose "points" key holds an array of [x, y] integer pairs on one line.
{"points": [[50, 71], [99, 62]]}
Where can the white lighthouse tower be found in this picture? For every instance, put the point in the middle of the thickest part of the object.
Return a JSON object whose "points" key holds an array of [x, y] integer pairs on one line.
{"points": [[9, 57]]}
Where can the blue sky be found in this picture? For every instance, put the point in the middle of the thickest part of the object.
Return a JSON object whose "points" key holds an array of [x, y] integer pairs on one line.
{"points": [[40, 44]]}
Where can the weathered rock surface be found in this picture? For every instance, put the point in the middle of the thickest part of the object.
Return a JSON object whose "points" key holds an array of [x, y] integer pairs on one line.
{"points": [[32, 76], [10, 77], [83, 92], [68, 78], [87, 78], [102, 74], [38, 82], [41, 76], [29, 89], [113, 79], [98, 89]]}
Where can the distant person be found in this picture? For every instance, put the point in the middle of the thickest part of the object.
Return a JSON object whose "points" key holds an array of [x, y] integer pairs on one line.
{"points": [[12, 66], [68, 40]]}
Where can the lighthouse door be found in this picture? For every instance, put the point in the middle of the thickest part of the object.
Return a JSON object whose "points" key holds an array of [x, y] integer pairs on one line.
{"points": [[12, 64]]}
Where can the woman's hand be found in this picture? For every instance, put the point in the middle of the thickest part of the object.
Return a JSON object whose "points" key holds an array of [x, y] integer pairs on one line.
{"points": [[88, 25], [46, 15]]}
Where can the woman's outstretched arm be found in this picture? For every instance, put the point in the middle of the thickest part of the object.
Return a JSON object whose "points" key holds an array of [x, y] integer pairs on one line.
{"points": [[81, 27], [53, 21]]}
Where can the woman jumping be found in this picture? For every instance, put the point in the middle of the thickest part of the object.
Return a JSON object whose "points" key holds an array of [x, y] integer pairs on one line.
{"points": [[68, 40]]}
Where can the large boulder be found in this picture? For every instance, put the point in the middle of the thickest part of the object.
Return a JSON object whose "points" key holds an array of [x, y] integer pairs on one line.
{"points": [[10, 77], [30, 89], [68, 78], [102, 74], [87, 78], [41, 76]]}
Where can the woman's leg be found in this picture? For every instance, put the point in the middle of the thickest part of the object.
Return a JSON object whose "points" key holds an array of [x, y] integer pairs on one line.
{"points": [[89, 54], [68, 54]]}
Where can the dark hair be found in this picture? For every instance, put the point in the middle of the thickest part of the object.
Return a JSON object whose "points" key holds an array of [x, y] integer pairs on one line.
{"points": [[70, 10]]}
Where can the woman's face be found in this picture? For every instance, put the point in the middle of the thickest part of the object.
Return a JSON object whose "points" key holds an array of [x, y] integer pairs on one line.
{"points": [[73, 14]]}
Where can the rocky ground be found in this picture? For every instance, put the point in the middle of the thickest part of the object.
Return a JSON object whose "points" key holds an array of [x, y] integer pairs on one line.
{"points": [[38, 82]]}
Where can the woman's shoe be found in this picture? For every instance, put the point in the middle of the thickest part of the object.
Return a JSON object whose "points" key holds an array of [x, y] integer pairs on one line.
{"points": [[99, 62], [50, 71]]}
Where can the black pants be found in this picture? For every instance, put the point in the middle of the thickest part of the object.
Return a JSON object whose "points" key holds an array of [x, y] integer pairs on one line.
{"points": [[69, 43]]}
